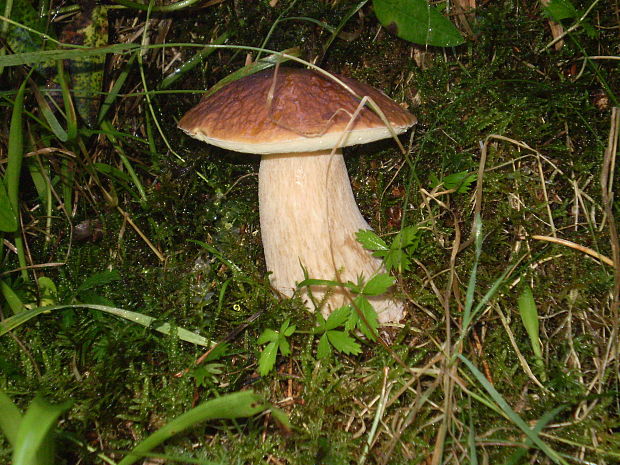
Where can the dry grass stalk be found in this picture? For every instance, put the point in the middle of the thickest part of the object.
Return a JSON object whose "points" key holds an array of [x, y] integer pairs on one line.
{"points": [[607, 194], [557, 31]]}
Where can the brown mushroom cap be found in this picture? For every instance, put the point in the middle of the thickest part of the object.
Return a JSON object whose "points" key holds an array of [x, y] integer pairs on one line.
{"points": [[308, 112]]}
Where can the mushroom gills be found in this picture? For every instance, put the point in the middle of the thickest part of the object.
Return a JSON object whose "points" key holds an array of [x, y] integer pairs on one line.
{"points": [[309, 218]]}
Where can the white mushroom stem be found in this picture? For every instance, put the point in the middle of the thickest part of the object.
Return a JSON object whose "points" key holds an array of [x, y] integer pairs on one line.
{"points": [[309, 217]]}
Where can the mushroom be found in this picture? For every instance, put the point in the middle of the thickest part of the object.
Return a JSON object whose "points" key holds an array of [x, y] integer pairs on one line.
{"points": [[298, 119]]}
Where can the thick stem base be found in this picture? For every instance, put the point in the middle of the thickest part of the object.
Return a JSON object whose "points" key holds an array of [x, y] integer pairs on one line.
{"points": [[309, 218]]}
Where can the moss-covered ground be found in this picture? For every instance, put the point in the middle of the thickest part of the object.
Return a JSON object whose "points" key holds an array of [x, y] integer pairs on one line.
{"points": [[531, 123]]}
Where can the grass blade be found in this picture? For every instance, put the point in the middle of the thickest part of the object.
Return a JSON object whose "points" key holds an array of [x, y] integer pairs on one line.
{"points": [[231, 406], [192, 62], [15, 303], [50, 116], [144, 320], [517, 457], [511, 414], [260, 65], [15, 149], [70, 115], [109, 132], [112, 95], [10, 418], [471, 286], [176, 6], [471, 444], [31, 58], [8, 218], [14, 168], [33, 444]]}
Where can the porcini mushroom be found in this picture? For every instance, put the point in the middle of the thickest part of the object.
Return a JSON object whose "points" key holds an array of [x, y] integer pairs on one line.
{"points": [[295, 118]]}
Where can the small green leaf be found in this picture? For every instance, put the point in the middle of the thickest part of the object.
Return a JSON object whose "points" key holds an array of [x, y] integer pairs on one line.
{"points": [[397, 260], [323, 349], [370, 326], [277, 340], [342, 342], [407, 237], [337, 318], [269, 335], [204, 374], [417, 22], [378, 284], [47, 290], [352, 320], [284, 326], [285, 348], [289, 331], [405, 243], [460, 182], [370, 240], [396, 256], [267, 359], [98, 279], [529, 315], [530, 319], [560, 9], [217, 352]]}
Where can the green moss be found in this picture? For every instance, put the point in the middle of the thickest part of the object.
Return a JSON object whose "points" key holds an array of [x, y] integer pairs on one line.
{"points": [[126, 381]]}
